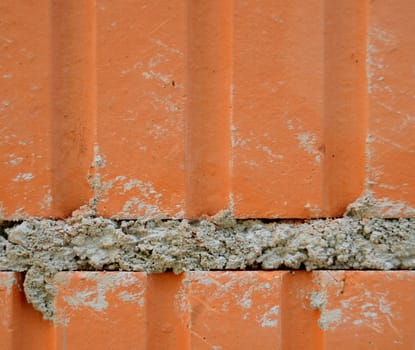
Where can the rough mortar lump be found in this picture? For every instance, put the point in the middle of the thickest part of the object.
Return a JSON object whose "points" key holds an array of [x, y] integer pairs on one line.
{"points": [[42, 247]]}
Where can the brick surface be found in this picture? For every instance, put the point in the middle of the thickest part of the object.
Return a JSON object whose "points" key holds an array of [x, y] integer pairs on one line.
{"points": [[390, 51], [140, 108], [25, 109], [21, 327], [271, 109], [215, 310], [297, 105], [268, 109]]}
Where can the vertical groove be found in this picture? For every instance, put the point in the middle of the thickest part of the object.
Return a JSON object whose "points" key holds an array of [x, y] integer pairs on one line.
{"points": [[345, 103], [9, 320], [208, 111], [72, 100], [167, 325], [29, 329], [300, 329]]}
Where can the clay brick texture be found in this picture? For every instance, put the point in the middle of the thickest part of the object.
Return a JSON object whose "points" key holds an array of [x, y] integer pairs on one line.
{"points": [[270, 109], [185, 109], [216, 310]]}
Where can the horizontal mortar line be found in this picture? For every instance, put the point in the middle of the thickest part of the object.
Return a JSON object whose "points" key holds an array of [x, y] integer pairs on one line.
{"points": [[43, 247], [269, 245], [6, 224]]}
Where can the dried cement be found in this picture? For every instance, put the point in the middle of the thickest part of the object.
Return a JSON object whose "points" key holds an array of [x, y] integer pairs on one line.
{"points": [[42, 247]]}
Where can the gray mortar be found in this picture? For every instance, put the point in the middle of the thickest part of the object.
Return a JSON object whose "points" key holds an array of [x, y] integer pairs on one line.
{"points": [[42, 247]]}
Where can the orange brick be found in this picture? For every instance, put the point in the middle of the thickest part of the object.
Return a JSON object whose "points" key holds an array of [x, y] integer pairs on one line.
{"points": [[141, 97], [21, 327], [390, 53], [25, 113], [236, 310], [96, 310], [182, 109], [367, 310], [222, 310], [46, 145], [298, 102]]}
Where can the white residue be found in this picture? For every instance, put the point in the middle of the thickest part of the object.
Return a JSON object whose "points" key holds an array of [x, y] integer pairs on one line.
{"points": [[23, 177]]}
